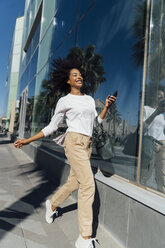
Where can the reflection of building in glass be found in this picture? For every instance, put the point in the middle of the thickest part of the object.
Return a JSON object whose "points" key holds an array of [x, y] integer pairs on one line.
{"points": [[2, 123], [112, 122], [115, 40], [13, 72]]}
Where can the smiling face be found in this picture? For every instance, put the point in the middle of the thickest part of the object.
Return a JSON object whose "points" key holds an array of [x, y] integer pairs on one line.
{"points": [[75, 79], [160, 95]]}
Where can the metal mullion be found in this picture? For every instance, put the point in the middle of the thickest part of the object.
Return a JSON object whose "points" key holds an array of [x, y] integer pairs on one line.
{"points": [[143, 89]]}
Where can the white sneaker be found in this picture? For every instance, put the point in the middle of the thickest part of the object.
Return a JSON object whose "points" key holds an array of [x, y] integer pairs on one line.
{"points": [[49, 213], [85, 243]]}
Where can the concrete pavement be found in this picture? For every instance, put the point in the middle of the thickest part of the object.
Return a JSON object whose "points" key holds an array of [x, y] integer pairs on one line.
{"points": [[23, 191]]}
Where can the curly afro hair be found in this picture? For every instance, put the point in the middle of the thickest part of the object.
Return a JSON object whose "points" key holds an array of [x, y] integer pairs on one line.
{"points": [[59, 74]]}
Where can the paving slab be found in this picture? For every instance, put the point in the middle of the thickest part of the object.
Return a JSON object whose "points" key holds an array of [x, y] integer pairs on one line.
{"points": [[23, 191]]}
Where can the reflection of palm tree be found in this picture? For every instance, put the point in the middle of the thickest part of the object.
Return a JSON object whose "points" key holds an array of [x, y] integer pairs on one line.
{"points": [[113, 115], [40, 111], [157, 48], [51, 95], [157, 39], [46, 102], [91, 65], [29, 112], [94, 76], [156, 54], [139, 31]]}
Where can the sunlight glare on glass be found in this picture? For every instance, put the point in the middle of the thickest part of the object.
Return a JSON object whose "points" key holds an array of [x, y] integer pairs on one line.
{"points": [[54, 21], [30, 14], [151, 25]]}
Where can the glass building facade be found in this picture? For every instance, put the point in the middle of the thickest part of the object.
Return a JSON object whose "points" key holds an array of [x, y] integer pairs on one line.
{"points": [[123, 43]]}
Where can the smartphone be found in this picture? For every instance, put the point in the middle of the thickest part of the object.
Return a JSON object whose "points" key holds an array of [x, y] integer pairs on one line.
{"points": [[116, 93]]}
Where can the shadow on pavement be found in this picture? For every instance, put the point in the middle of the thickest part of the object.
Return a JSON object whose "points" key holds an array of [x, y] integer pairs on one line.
{"points": [[66, 209], [25, 206], [96, 210]]}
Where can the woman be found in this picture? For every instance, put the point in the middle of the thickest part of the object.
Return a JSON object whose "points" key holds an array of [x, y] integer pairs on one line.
{"points": [[154, 125], [80, 113]]}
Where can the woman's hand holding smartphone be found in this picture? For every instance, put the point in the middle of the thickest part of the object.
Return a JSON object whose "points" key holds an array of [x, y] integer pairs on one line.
{"points": [[111, 99]]}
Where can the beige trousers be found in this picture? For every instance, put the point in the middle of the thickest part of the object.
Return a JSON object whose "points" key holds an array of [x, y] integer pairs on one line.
{"points": [[157, 163], [160, 166], [78, 148]]}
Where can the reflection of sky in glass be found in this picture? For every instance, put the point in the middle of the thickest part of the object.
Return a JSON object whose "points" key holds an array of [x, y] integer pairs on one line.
{"points": [[109, 27]]}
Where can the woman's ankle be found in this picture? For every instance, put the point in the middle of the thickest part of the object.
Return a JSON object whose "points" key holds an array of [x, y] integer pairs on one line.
{"points": [[53, 208], [86, 237]]}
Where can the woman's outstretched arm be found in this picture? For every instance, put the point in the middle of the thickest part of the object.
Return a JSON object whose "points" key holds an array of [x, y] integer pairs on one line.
{"points": [[49, 129], [21, 142]]}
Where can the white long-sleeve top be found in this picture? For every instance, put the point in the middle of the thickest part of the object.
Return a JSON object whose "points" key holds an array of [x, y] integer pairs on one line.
{"points": [[80, 112], [157, 126]]}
